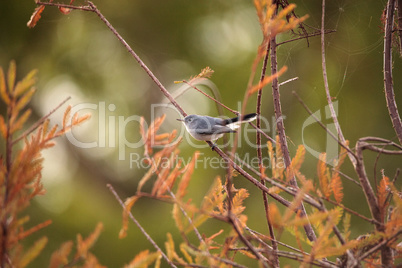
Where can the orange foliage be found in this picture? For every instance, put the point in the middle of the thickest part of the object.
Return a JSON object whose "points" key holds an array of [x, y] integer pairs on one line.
{"points": [[21, 167]]}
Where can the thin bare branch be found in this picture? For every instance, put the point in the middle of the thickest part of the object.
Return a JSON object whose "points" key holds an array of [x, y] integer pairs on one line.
{"points": [[306, 36], [288, 81], [322, 125], [83, 8], [347, 177], [235, 223], [138, 59], [40, 121], [149, 238], [326, 85], [259, 155]]}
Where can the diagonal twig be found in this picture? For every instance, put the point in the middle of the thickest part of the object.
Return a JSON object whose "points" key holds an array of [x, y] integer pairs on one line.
{"points": [[40, 121], [149, 238]]}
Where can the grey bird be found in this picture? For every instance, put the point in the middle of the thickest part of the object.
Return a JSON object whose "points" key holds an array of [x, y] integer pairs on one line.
{"points": [[207, 128]]}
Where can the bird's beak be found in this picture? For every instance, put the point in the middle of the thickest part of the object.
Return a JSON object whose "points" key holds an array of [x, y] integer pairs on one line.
{"points": [[180, 120]]}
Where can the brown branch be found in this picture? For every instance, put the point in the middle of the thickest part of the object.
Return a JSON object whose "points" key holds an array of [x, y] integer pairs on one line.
{"points": [[259, 155], [138, 59], [282, 135], [372, 221], [326, 85], [286, 188], [296, 257], [83, 8], [388, 83], [149, 238], [364, 182], [386, 252], [235, 223], [400, 26], [379, 245]]}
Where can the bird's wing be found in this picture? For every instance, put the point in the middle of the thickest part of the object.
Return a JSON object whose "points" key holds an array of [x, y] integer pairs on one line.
{"points": [[217, 129]]}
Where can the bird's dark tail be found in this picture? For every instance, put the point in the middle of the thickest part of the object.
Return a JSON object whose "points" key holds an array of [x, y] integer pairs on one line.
{"points": [[245, 118]]}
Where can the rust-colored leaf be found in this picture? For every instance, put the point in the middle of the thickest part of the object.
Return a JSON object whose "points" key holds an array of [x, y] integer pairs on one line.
{"points": [[45, 127], [66, 116], [171, 251], [342, 155], [168, 183], [60, 257], [296, 163], [272, 159], [23, 101], [143, 259], [275, 216], [34, 229], [126, 213], [161, 137], [185, 180], [83, 245], [80, 119], [183, 249], [280, 164], [382, 193], [3, 88], [21, 121], [51, 133], [323, 175], [346, 226], [11, 75], [26, 83], [66, 10], [161, 180], [3, 127], [35, 16], [298, 160], [238, 199], [145, 178], [33, 252], [177, 217], [149, 136], [336, 186], [266, 81], [142, 129]]}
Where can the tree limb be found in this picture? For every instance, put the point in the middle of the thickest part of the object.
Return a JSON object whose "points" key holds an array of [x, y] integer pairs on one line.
{"points": [[388, 83]]}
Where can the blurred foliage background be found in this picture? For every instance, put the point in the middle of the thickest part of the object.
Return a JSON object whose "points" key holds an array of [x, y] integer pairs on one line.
{"points": [[77, 56]]}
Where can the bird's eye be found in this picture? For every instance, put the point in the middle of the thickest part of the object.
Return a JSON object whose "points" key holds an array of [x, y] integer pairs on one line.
{"points": [[190, 119]]}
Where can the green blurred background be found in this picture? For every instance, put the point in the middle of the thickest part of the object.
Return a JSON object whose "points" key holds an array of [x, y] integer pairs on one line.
{"points": [[77, 56]]}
